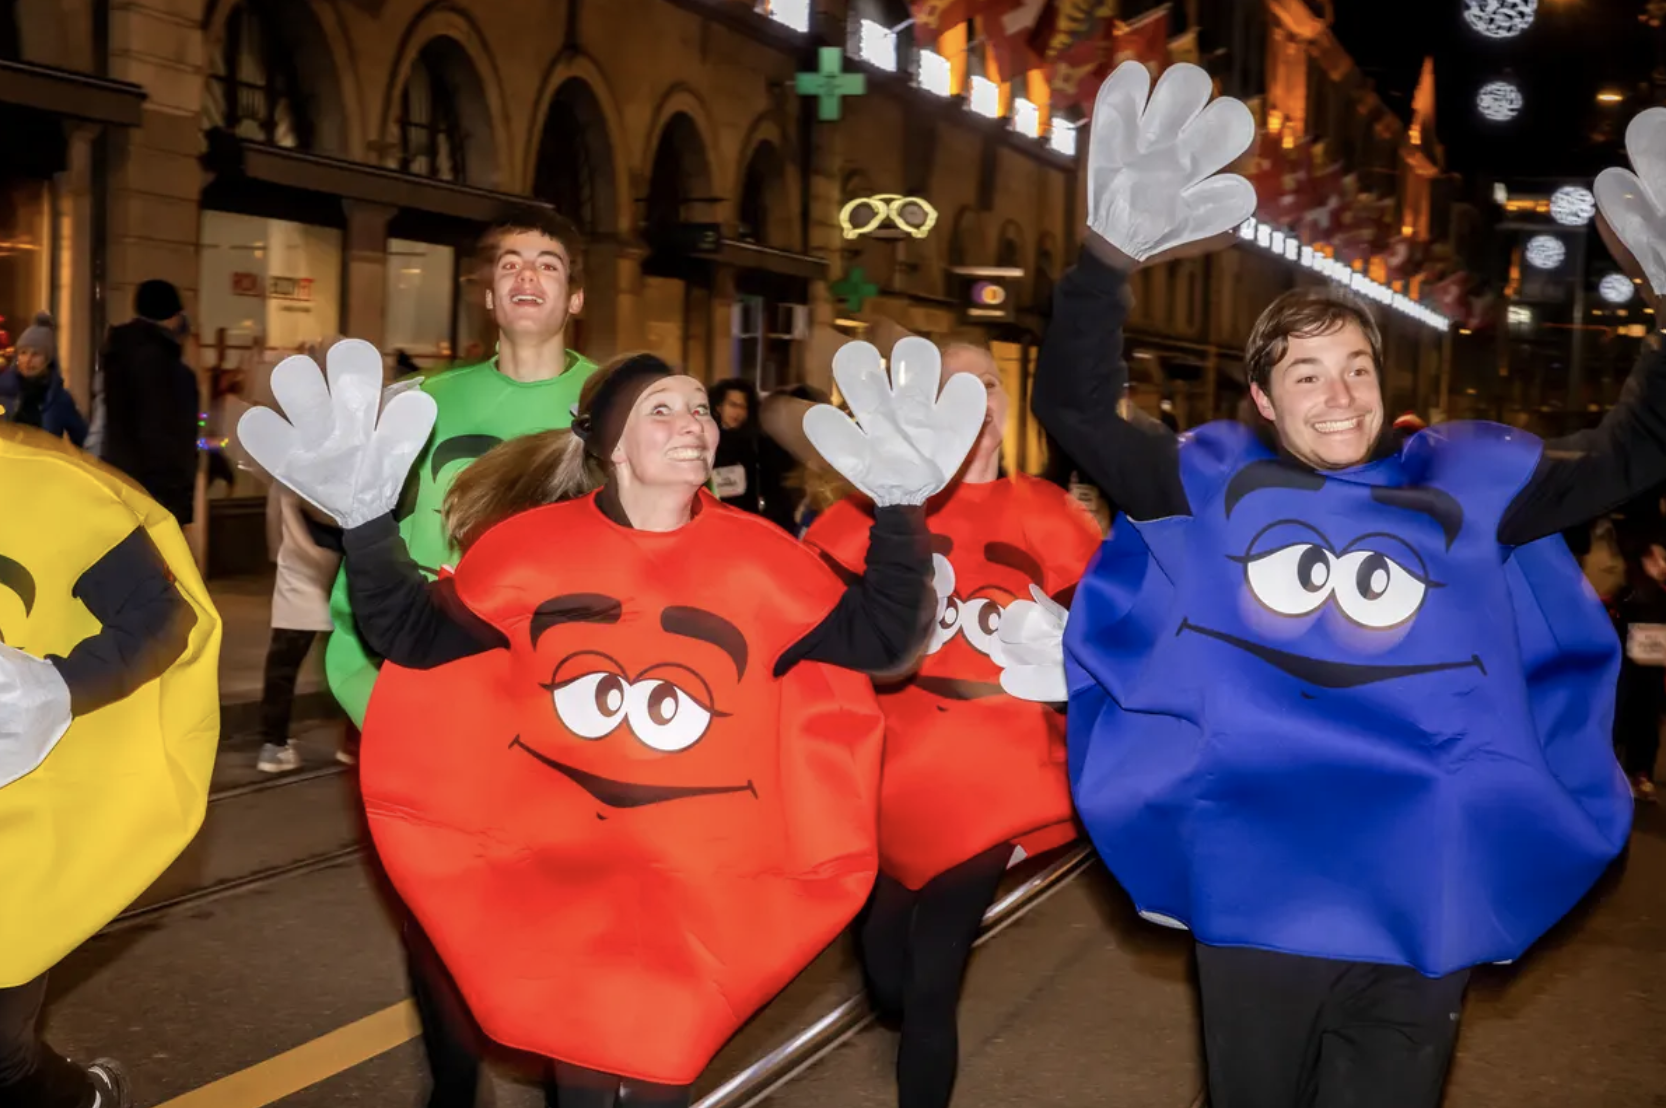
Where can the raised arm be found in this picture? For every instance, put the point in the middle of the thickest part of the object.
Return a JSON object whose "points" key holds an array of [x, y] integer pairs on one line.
{"points": [[1079, 383], [1588, 474], [884, 616], [1155, 191], [399, 614]]}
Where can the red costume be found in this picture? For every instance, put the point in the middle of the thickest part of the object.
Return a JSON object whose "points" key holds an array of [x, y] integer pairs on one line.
{"points": [[966, 765], [623, 833]]}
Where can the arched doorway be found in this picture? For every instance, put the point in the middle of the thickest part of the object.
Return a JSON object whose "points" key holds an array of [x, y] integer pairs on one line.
{"points": [[575, 159], [677, 280], [442, 125]]}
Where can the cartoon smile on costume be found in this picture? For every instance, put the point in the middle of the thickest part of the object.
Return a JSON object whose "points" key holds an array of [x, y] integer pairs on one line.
{"points": [[643, 827]]}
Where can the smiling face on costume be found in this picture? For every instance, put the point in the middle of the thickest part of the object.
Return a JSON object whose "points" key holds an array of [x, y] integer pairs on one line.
{"points": [[531, 294], [670, 437], [961, 358], [1325, 398]]}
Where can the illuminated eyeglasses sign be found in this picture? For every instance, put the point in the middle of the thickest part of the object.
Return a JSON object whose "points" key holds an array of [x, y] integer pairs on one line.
{"points": [[1615, 288], [1500, 18], [887, 215], [1545, 251]]}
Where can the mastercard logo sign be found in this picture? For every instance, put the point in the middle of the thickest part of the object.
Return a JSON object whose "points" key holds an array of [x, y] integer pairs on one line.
{"points": [[987, 294]]}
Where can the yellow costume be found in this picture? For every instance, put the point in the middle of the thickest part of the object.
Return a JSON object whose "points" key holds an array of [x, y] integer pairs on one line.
{"points": [[125, 789]]}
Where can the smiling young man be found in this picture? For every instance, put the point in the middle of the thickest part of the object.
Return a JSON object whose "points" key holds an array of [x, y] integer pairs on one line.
{"points": [[532, 268], [1339, 701]]}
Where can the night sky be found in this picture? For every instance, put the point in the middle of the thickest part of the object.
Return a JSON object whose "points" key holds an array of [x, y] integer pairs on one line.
{"points": [[1573, 49]]}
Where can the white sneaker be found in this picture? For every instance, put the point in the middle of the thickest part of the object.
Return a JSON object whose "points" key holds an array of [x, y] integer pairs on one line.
{"points": [[278, 759]]}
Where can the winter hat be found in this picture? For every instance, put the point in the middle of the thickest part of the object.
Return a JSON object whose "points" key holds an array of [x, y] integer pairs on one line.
{"points": [[40, 336], [157, 301]]}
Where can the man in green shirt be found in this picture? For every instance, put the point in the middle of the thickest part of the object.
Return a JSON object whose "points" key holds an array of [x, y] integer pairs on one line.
{"points": [[532, 267]]}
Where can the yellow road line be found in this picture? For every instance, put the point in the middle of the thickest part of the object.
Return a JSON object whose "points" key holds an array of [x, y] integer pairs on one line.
{"points": [[308, 1064]]}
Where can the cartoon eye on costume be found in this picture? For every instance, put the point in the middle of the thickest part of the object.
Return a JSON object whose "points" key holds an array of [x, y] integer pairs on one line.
{"points": [[592, 704], [665, 717], [1293, 580], [1376, 591], [980, 622], [948, 608]]}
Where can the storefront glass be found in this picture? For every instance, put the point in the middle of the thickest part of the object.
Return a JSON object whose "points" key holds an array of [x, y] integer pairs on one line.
{"points": [[25, 261], [421, 292], [268, 288]]}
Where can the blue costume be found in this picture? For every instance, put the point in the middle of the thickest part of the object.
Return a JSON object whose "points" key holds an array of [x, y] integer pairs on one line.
{"points": [[1330, 714]]}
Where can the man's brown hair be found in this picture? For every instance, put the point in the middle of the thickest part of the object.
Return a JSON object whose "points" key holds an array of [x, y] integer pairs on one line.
{"points": [[1306, 313], [543, 221]]}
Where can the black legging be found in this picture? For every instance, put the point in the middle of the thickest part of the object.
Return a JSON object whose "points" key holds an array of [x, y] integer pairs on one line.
{"points": [[32, 1073], [577, 1087], [914, 951]]}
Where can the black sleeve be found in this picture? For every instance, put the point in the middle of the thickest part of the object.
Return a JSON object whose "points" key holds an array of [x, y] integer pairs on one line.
{"points": [[1079, 381], [885, 615], [146, 625], [1585, 476], [399, 614]]}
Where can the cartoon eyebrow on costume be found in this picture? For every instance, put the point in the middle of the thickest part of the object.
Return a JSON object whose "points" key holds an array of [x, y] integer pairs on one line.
{"points": [[942, 544], [1269, 474], [459, 447], [1433, 503], [18, 579], [574, 607], [697, 623], [1006, 554]]}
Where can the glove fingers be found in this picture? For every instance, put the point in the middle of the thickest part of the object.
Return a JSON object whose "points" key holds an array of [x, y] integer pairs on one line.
{"points": [[268, 439], [1116, 117], [862, 381], [355, 372], [1633, 216], [957, 420], [840, 442], [1052, 607], [1180, 95], [1038, 684], [916, 371], [400, 436], [1216, 138], [1213, 206], [300, 391], [1646, 147]]}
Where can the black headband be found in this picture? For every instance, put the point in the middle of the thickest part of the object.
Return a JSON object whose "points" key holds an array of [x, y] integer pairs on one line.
{"points": [[604, 421]]}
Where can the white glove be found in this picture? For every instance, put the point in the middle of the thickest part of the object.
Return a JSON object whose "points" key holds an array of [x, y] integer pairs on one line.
{"points": [[1032, 642], [333, 452], [912, 440], [1150, 165], [1633, 202], [34, 712]]}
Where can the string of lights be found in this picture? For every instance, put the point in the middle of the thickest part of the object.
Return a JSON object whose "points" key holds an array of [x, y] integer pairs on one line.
{"points": [[1293, 249]]}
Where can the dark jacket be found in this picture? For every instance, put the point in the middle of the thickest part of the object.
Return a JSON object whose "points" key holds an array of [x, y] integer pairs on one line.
{"points": [[46, 404], [150, 414]]}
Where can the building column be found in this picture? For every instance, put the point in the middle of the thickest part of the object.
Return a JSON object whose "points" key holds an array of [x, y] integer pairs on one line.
{"points": [[155, 178], [364, 309], [72, 299], [826, 241], [612, 297], [720, 360]]}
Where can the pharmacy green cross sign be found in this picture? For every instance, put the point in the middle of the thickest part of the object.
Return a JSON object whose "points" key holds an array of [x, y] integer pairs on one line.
{"points": [[830, 84], [855, 289]]}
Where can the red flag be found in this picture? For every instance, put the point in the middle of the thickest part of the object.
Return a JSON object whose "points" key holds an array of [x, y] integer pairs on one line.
{"points": [[933, 17], [1144, 40], [1006, 26], [1448, 296], [1319, 222], [1066, 24], [1481, 312]]}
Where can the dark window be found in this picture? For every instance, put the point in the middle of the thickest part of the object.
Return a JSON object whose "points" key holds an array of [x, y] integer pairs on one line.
{"points": [[564, 170], [11, 43], [253, 90], [430, 136], [754, 197]]}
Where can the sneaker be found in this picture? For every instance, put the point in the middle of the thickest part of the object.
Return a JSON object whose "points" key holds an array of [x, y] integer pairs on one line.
{"points": [[109, 1085], [346, 757], [278, 759], [1643, 789]]}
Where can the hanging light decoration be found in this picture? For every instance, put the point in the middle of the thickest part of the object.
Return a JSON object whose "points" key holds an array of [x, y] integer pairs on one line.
{"points": [[1545, 251], [1500, 18], [1572, 206], [1615, 288], [1498, 101]]}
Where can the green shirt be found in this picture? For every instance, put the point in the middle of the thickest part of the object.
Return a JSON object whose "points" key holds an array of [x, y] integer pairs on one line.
{"points": [[478, 408]]}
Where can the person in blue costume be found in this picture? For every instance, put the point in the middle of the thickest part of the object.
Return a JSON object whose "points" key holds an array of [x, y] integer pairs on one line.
{"points": [[1339, 703]]}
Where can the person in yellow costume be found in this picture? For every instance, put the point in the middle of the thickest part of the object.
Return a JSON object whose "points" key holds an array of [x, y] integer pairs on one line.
{"points": [[109, 717]]}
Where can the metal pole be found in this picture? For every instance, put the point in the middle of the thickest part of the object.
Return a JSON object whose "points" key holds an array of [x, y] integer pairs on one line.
{"points": [[1576, 369], [764, 1075]]}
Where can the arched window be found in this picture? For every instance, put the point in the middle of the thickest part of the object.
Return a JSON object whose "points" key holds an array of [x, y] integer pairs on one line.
{"points": [[431, 140], [252, 86], [762, 183], [565, 176], [11, 43]]}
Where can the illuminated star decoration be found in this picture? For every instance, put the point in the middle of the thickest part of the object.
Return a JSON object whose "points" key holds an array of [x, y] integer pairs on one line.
{"points": [[1498, 101], [1572, 206], [1615, 288], [1545, 251], [1500, 18]]}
